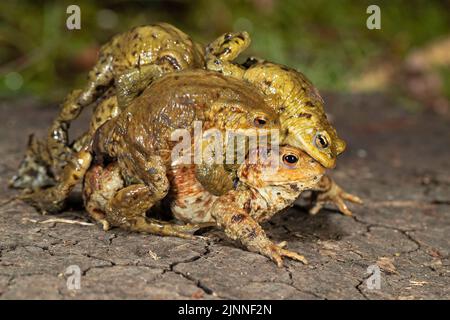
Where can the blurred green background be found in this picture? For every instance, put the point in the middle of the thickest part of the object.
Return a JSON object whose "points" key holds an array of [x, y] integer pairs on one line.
{"points": [[327, 40]]}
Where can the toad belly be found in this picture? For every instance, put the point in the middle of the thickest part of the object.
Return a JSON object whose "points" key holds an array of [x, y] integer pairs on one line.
{"points": [[190, 202]]}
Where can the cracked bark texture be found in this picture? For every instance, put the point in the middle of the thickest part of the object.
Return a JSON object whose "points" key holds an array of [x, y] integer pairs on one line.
{"points": [[399, 163]]}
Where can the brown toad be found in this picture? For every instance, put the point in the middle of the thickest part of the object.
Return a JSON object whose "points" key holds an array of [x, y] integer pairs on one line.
{"points": [[266, 185], [126, 64], [139, 139], [299, 104]]}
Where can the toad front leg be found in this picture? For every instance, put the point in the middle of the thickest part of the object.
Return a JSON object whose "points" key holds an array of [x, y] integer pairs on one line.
{"points": [[239, 225], [132, 82], [328, 191]]}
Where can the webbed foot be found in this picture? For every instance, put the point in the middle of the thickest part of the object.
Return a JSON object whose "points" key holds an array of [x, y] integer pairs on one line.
{"points": [[34, 171], [45, 200], [214, 178], [53, 199], [152, 226]]}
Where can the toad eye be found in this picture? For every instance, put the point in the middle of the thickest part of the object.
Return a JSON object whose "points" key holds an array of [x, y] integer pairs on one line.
{"points": [[259, 122], [290, 159], [321, 141]]}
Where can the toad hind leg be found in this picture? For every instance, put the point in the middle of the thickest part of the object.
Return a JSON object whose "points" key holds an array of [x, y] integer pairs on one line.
{"points": [[52, 199], [221, 52], [239, 225], [127, 210], [100, 77], [34, 170], [113, 204]]}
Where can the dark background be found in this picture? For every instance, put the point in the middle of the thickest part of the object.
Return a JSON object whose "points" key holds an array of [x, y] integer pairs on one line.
{"points": [[326, 40], [387, 91]]}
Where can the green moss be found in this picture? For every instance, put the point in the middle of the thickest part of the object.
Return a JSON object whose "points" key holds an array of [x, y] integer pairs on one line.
{"points": [[327, 40]]}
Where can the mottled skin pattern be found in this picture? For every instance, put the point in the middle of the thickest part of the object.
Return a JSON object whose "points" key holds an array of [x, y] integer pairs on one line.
{"points": [[106, 109], [262, 192], [165, 49], [299, 104], [34, 170], [263, 189], [288, 91], [175, 102], [129, 62], [105, 198], [124, 158], [139, 139]]}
